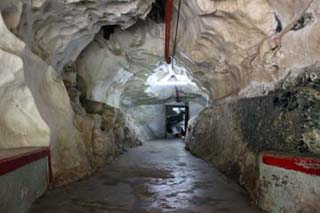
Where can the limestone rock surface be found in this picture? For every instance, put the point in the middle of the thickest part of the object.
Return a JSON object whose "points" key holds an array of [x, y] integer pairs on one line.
{"points": [[38, 38], [115, 70], [240, 48], [235, 48], [292, 126], [244, 47]]}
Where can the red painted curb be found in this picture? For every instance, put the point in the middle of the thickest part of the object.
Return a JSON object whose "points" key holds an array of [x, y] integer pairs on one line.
{"points": [[309, 166], [17, 161]]}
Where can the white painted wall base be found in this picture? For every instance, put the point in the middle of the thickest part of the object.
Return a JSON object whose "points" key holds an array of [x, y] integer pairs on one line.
{"points": [[285, 190], [21, 187]]}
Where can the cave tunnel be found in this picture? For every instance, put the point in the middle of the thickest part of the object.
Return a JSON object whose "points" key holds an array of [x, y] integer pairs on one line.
{"points": [[159, 106]]}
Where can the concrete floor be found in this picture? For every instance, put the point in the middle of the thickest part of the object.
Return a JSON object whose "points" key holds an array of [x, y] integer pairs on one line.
{"points": [[157, 177]]}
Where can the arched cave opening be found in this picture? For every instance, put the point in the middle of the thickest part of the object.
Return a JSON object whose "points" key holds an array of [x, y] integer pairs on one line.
{"points": [[89, 103]]}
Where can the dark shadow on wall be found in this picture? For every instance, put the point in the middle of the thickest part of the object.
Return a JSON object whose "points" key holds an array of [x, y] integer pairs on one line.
{"points": [[158, 11]]}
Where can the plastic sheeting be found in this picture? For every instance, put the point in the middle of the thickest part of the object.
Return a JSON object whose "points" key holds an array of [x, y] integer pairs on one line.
{"points": [[168, 78]]}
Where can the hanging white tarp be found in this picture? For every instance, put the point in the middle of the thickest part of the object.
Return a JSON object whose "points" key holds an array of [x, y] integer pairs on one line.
{"points": [[167, 79]]}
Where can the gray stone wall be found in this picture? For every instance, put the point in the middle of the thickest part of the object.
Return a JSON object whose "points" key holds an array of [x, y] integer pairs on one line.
{"points": [[232, 134]]}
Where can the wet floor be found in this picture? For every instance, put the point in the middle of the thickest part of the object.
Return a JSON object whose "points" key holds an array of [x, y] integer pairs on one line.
{"points": [[157, 177]]}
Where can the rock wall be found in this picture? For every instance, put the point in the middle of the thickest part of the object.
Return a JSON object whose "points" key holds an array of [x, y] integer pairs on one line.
{"points": [[115, 68], [149, 121], [59, 30], [102, 128], [38, 38], [240, 48], [243, 51], [232, 134], [235, 48], [244, 47], [133, 52]]}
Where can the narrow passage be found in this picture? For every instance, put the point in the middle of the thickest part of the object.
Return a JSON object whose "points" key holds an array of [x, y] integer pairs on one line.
{"points": [[160, 176]]}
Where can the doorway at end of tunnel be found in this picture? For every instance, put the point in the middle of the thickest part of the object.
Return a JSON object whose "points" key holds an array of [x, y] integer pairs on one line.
{"points": [[177, 117]]}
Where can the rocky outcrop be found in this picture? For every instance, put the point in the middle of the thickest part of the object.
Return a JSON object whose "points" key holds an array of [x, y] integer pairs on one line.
{"points": [[244, 51], [58, 31], [102, 130], [240, 48], [235, 48], [109, 66], [243, 47], [38, 38], [231, 135]]}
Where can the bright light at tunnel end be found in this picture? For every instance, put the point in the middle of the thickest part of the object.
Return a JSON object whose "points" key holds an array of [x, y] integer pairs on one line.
{"points": [[169, 75]]}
